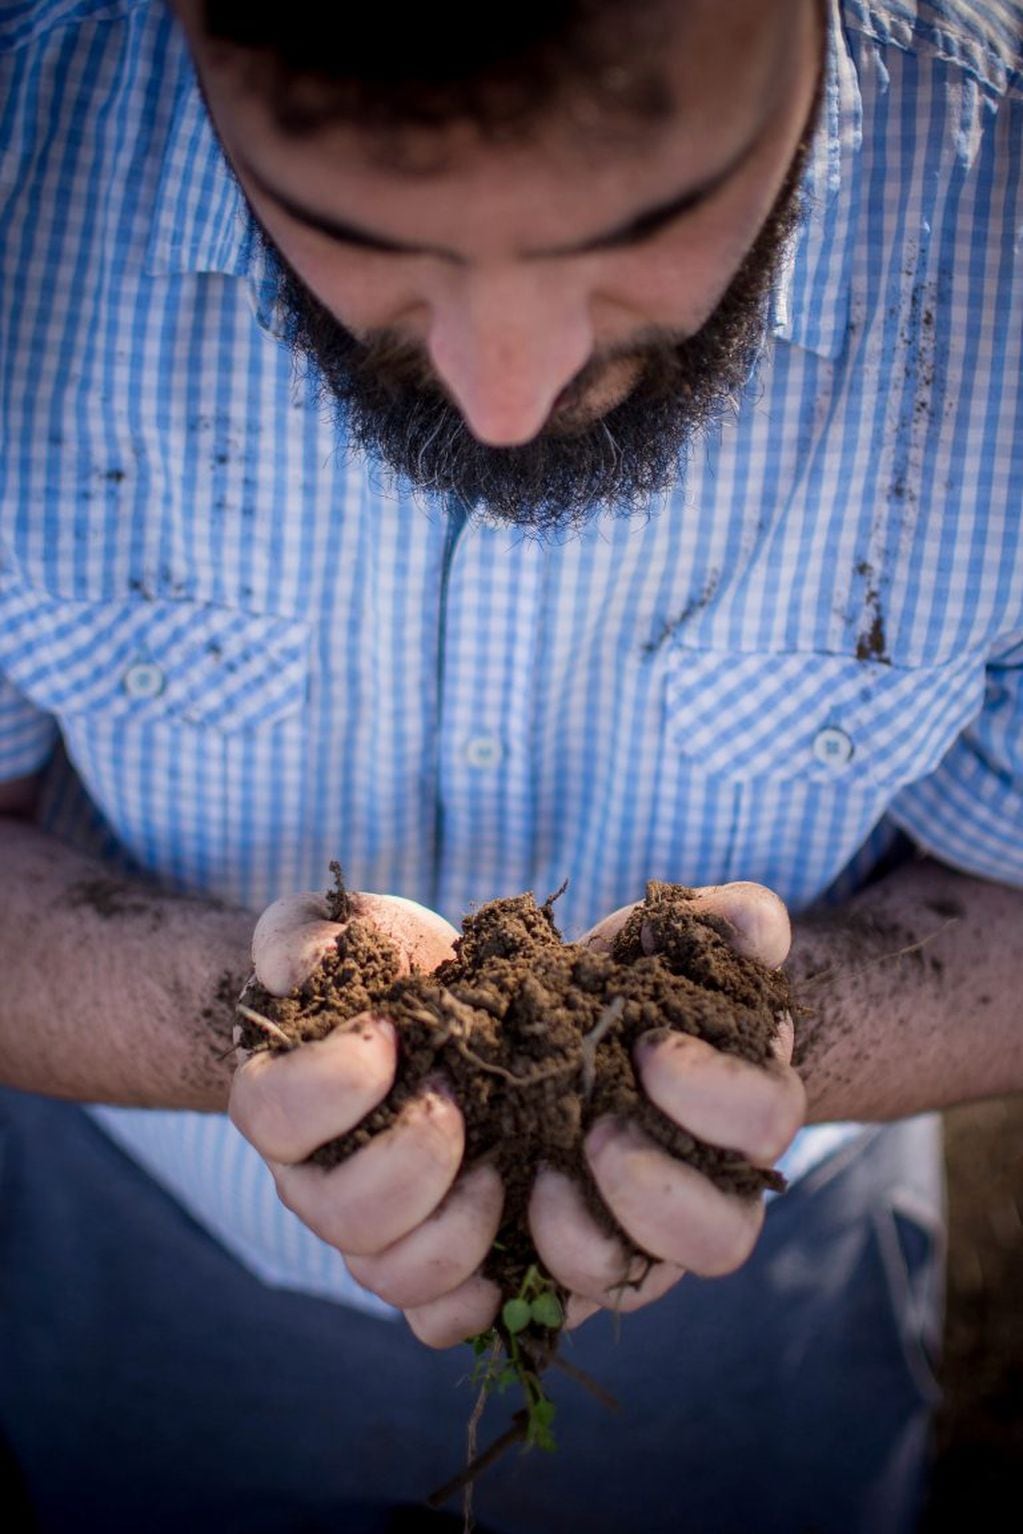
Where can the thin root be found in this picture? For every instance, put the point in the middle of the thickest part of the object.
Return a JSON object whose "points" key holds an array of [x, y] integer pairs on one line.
{"points": [[470, 1438], [515, 1434], [586, 1381], [611, 1013], [265, 1024]]}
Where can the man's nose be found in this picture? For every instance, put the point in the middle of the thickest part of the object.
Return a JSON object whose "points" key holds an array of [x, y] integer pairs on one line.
{"points": [[505, 345]]}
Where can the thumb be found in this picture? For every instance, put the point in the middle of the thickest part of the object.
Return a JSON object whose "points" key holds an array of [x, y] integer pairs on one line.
{"points": [[758, 918], [292, 937]]}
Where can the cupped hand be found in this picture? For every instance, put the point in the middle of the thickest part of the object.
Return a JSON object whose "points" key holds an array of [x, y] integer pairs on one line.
{"points": [[668, 1209], [415, 1232], [409, 1228]]}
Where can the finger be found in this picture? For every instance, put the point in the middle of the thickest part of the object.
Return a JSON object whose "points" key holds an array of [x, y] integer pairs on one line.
{"points": [[291, 938], [386, 1189], [288, 1103], [759, 919], [719, 1098], [578, 1310], [455, 1317], [667, 1208], [442, 1252], [423, 938], [582, 1257]]}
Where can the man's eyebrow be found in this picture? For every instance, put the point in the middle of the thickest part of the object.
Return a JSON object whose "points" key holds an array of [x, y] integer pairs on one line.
{"points": [[641, 226]]}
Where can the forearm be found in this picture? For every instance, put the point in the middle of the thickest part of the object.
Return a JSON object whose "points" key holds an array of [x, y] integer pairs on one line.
{"points": [[112, 992], [912, 996]]}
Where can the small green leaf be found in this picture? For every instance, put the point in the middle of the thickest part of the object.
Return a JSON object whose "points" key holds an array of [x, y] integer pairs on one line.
{"points": [[538, 1431], [546, 1311], [515, 1315], [504, 1379]]}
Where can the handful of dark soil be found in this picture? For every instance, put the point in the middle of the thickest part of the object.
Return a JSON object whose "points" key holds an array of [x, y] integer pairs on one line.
{"points": [[535, 1036]]}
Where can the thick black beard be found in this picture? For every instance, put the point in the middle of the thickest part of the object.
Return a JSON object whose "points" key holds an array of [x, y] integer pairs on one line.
{"points": [[563, 478]]}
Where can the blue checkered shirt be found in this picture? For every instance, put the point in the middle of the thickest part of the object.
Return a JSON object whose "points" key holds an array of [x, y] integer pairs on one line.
{"points": [[239, 652]]}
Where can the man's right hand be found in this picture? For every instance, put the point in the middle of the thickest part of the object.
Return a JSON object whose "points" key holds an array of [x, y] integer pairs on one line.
{"points": [[410, 1229]]}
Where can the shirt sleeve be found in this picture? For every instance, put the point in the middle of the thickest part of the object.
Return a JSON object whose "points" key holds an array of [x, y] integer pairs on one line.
{"points": [[969, 813], [27, 735]]}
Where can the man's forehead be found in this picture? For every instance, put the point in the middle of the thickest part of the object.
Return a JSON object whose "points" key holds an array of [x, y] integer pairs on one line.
{"points": [[581, 187], [715, 60]]}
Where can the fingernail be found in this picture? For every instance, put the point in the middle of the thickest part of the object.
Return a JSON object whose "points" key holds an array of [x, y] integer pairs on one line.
{"points": [[648, 1042], [385, 1028]]}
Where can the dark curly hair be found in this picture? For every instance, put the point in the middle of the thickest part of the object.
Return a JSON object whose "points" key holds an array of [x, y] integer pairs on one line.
{"points": [[414, 66]]}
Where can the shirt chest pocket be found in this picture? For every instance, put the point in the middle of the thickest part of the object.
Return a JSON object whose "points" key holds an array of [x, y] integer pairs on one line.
{"points": [[184, 723], [176, 663], [779, 767], [830, 720]]}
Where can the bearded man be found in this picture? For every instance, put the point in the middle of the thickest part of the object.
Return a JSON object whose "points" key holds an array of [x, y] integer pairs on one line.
{"points": [[643, 504]]}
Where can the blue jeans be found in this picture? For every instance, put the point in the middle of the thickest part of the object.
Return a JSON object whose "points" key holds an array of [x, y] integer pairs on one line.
{"points": [[149, 1383]]}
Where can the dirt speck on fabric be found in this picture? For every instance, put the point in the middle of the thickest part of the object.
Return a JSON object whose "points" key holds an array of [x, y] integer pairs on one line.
{"points": [[871, 644], [673, 626]]}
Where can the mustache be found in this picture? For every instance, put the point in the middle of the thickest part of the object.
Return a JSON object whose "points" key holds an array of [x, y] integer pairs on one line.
{"points": [[401, 365]]}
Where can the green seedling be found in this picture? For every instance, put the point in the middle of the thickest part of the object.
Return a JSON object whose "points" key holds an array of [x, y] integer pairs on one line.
{"points": [[509, 1352]]}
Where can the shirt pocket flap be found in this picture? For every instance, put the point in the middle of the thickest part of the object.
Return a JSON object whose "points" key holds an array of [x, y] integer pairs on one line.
{"points": [[193, 662], [820, 718]]}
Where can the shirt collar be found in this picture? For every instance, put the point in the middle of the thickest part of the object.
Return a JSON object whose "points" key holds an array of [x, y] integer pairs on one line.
{"points": [[811, 300], [201, 221]]}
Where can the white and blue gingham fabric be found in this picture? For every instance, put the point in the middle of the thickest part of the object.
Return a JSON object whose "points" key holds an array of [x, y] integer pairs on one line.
{"points": [[257, 656]]}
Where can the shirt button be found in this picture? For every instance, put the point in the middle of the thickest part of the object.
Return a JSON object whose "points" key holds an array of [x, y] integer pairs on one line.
{"points": [[833, 747], [483, 751], [143, 680]]}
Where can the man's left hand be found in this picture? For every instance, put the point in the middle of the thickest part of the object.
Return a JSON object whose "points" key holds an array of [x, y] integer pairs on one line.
{"points": [[671, 1211]]}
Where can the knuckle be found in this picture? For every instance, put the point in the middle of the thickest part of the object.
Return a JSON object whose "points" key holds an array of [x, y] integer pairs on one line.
{"points": [[592, 1282], [377, 1275], [731, 1245], [325, 1203], [439, 1130], [352, 1230], [366, 1064], [652, 1285], [429, 1332], [777, 1119], [469, 1309], [258, 1111], [307, 1204], [578, 1310]]}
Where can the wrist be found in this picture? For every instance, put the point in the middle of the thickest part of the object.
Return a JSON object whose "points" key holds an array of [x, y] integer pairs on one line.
{"points": [[113, 992], [906, 998]]}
